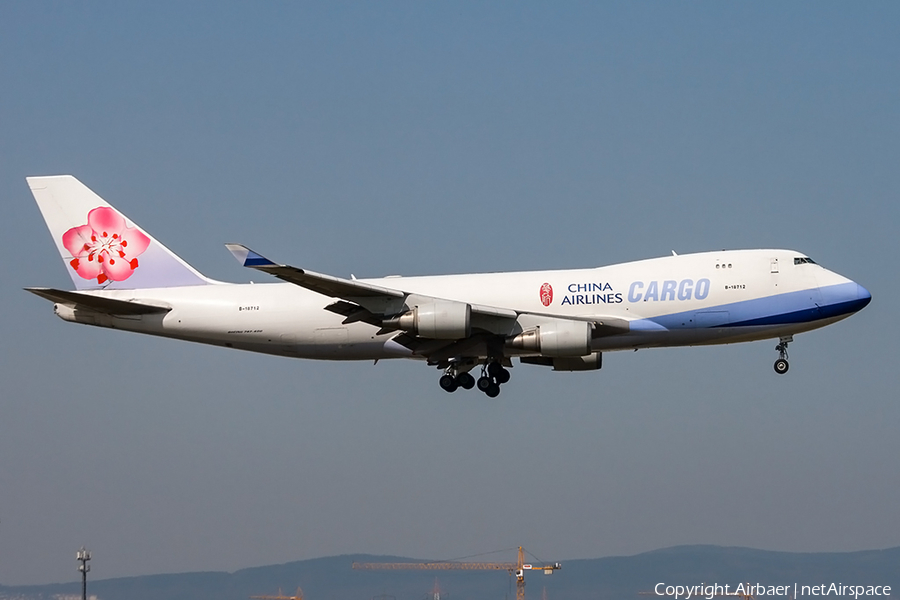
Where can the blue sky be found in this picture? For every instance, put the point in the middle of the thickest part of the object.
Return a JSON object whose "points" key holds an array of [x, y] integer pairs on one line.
{"points": [[418, 138]]}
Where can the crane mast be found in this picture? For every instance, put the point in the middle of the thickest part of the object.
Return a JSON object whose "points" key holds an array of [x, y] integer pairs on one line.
{"points": [[518, 568]]}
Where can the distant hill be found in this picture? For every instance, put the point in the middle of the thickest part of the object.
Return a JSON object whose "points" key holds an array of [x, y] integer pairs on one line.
{"points": [[612, 578]]}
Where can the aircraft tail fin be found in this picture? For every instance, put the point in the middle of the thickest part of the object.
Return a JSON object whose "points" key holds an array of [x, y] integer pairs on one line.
{"points": [[101, 247]]}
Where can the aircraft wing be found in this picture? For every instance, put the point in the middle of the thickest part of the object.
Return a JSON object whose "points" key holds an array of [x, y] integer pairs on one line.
{"points": [[379, 306], [109, 306], [357, 292], [326, 285]]}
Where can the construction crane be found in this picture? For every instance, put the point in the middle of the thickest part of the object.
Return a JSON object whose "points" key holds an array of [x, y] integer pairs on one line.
{"points": [[281, 596], [518, 568]]}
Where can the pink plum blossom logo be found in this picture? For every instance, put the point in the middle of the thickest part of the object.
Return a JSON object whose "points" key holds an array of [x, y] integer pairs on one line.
{"points": [[105, 248]]}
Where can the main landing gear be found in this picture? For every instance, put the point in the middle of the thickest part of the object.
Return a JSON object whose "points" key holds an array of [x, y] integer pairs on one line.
{"points": [[450, 382], [493, 375], [781, 365]]}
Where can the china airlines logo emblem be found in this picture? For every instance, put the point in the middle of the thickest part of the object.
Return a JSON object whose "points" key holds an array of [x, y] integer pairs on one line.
{"points": [[105, 248], [546, 294]]}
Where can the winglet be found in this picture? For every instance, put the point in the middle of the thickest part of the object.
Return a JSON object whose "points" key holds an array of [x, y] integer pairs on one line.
{"points": [[247, 257]]}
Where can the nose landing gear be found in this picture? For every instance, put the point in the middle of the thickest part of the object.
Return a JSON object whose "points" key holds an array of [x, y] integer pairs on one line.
{"points": [[782, 365]]}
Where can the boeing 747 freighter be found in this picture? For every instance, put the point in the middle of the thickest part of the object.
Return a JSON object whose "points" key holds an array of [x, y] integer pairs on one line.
{"points": [[125, 279]]}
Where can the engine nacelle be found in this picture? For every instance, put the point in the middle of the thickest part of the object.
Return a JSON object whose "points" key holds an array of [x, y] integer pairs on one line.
{"points": [[591, 362], [557, 338], [438, 320]]}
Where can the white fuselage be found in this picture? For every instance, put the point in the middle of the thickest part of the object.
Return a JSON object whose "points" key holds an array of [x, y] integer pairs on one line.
{"points": [[705, 298]]}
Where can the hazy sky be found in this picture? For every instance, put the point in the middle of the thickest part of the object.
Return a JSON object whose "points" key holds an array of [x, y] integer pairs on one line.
{"points": [[419, 138]]}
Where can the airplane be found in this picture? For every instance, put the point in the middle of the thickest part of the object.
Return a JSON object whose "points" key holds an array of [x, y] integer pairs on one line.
{"points": [[563, 319]]}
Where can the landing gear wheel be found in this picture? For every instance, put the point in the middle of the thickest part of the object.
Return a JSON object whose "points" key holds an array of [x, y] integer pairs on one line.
{"points": [[502, 376], [465, 381], [781, 366], [492, 391], [494, 369], [484, 383], [448, 383]]}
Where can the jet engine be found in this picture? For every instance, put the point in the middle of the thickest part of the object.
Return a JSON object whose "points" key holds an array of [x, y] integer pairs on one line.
{"points": [[556, 338], [438, 320]]}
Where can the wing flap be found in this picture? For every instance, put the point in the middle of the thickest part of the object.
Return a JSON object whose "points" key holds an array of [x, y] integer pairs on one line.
{"points": [[354, 313]]}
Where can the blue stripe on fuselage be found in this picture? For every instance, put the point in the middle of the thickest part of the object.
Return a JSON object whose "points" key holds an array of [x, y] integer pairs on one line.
{"points": [[781, 309]]}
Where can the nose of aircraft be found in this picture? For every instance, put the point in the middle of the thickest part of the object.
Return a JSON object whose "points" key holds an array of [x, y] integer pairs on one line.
{"points": [[863, 297], [844, 297]]}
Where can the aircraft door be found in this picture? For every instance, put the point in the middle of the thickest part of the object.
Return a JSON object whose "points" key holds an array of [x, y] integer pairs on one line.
{"points": [[331, 340], [711, 318], [774, 274]]}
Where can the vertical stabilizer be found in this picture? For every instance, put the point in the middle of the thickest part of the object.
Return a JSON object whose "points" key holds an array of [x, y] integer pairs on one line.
{"points": [[101, 247]]}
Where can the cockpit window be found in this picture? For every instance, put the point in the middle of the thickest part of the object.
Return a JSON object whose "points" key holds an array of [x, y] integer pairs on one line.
{"points": [[802, 260]]}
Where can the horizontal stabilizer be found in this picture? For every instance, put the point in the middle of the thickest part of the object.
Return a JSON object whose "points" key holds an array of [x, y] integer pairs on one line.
{"points": [[99, 304]]}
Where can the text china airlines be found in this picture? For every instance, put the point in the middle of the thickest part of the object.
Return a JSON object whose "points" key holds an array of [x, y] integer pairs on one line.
{"points": [[652, 291]]}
